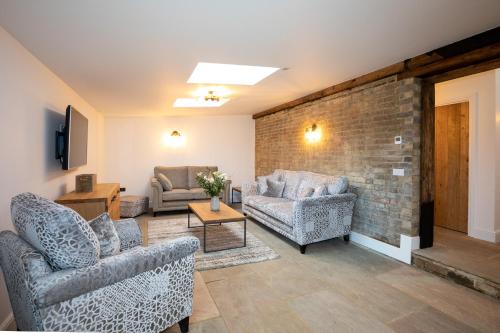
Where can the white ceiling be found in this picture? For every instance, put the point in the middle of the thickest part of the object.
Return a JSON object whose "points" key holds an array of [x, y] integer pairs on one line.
{"points": [[134, 57]]}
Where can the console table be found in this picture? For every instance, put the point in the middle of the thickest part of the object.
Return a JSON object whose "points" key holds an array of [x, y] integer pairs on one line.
{"points": [[105, 198]]}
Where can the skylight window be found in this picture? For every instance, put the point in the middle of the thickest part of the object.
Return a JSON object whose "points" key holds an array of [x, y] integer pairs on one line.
{"points": [[211, 73]]}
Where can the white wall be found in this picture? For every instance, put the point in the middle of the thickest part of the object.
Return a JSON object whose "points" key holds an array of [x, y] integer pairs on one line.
{"points": [[480, 91], [134, 146], [32, 105]]}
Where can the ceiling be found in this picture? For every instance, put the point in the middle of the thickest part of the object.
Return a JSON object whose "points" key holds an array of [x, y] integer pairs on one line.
{"points": [[134, 57]]}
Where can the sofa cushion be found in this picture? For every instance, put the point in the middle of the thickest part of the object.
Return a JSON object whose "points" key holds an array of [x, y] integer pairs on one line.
{"points": [[165, 182], [319, 191], [262, 181], [278, 208], [274, 188], [194, 170], [304, 190], [339, 186], [183, 194], [177, 175], [58, 232], [106, 233], [292, 181]]}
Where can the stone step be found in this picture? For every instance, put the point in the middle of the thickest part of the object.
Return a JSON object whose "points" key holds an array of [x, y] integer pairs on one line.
{"points": [[467, 279]]}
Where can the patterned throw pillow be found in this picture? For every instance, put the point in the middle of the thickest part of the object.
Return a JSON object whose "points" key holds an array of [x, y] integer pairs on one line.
{"points": [[274, 188], [165, 182], [58, 232], [339, 186], [319, 191], [304, 190], [262, 182], [105, 231]]}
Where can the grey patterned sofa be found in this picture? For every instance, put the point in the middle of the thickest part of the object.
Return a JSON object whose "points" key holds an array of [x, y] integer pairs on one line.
{"points": [[312, 208], [58, 280], [185, 188]]}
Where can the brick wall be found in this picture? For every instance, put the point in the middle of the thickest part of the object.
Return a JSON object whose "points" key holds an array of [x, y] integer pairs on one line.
{"points": [[358, 129]]}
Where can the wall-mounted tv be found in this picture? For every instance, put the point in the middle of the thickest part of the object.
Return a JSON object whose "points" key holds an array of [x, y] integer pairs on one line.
{"points": [[71, 142]]}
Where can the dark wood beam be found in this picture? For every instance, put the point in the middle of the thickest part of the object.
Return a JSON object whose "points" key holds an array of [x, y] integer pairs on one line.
{"points": [[346, 85], [447, 64], [468, 70]]}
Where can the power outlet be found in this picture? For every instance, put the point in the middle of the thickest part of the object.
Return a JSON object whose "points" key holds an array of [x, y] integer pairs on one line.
{"points": [[398, 172], [398, 140]]}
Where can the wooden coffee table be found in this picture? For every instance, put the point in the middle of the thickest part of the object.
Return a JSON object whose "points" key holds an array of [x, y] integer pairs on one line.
{"points": [[207, 217]]}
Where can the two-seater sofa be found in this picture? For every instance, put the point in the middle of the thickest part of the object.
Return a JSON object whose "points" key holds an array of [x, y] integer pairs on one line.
{"points": [[324, 213], [185, 188]]}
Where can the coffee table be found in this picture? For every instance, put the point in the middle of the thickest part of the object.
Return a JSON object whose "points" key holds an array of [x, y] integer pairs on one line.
{"points": [[207, 217]]}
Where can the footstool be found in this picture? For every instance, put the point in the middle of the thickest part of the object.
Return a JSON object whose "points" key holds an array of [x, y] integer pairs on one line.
{"points": [[133, 205]]}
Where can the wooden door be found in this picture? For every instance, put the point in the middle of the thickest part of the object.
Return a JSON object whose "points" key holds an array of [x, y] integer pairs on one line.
{"points": [[452, 166]]}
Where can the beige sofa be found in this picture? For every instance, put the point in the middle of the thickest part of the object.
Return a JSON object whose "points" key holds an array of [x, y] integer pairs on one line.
{"points": [[185, 189]]}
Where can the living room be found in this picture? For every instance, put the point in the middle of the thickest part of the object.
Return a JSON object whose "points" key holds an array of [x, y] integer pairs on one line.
{"points": [[319, 123]]}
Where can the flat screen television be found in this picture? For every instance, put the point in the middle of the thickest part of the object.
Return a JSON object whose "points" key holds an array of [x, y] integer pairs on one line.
{"points": [[71, 142]]}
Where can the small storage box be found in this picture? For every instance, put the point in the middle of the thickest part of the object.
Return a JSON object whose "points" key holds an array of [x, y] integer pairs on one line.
{"points": [[133, 205]]}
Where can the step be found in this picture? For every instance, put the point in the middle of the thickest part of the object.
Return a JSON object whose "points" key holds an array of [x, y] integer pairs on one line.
{"points": [[467, 279]]}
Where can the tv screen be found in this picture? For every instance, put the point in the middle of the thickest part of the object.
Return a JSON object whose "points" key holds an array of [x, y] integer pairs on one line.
{"points": [[75, 139]]}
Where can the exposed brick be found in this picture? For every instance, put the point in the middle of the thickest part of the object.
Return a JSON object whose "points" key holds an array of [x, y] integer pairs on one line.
{"points": [[358, 129]]}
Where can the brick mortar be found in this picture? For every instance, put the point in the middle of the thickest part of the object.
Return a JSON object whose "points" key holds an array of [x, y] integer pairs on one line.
{"points": [[358, 128]]}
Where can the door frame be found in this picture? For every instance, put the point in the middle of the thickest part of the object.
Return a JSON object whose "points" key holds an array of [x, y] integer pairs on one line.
{"points": [[473, 151]]}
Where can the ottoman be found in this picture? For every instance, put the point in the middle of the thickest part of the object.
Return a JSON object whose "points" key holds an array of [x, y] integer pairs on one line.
{"points": [[133, 205]]}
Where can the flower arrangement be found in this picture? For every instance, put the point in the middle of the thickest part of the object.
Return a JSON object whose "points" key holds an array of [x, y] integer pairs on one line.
{"points": [[212, 183]]}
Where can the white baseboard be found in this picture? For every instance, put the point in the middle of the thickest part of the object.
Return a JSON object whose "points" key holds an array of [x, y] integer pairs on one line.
{"points": [[401, 253], [7, 322], [486, 235]]}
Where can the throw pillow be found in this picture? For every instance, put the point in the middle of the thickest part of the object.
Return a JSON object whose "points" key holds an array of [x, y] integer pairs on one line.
{"points": [[274, 188], [165, 182], [304, 190], [339, 186], [58, 232], [261, 185], [107, 235], [319, 191]]}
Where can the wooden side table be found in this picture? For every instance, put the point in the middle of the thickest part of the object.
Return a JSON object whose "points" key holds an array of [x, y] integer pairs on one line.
{"points": [[235, 189], [104, 198]]}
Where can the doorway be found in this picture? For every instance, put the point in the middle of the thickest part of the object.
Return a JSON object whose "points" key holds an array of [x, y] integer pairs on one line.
{"points": [[451, 207]]}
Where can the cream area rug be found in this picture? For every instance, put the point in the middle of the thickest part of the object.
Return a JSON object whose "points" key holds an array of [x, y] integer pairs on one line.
{"points": [[218, 237]]}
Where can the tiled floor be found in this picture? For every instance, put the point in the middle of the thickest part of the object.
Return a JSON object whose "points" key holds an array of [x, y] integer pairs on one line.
{"points": [[465, 253], [337, 287]]}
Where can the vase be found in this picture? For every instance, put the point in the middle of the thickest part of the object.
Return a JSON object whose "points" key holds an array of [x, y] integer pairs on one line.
{"points": [[214, 204]]}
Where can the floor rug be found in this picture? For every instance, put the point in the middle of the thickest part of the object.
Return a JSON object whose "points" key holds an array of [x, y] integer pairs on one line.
{"points": [[218, 237]]}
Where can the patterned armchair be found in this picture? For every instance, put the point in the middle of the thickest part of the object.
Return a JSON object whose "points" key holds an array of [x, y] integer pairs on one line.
{"points": [[57, 280]]}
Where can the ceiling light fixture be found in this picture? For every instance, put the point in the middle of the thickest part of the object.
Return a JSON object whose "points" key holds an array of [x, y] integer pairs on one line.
{"points": [[198, 103], [212, 73]]}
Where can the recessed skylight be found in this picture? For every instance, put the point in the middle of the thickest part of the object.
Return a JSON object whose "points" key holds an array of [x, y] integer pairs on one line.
{"points": [[198, 103], [210, 73]]}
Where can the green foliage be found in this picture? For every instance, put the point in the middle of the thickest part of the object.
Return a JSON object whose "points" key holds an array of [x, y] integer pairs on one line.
{"points": [[211, 182]]}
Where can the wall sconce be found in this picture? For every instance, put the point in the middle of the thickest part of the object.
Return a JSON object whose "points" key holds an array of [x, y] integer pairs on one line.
{"points": [[174, 139], [313, 134]]}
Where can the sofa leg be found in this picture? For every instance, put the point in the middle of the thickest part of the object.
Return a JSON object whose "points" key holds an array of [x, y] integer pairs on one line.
{"points": [[346, 238], [154, 214], [184, 325], [303, 249]]}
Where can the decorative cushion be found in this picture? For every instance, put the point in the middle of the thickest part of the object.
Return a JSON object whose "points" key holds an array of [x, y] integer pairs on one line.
{"points": [[178, 176], [129, 232], [274, 188], [58, 232], [194, 170], [292, 182], [105, 231], [165, 182], [319, 191], [262, 181], [339, 186], [304, 190]]}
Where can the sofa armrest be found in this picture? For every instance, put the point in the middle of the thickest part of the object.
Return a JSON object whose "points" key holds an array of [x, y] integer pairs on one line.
{"points": [[156, 193], [321, 218], [247, 190], [226, 191], [66, 284], [129, 233]]}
